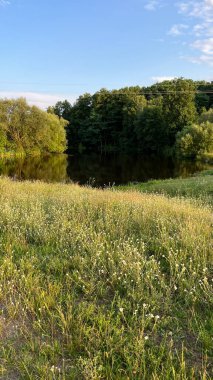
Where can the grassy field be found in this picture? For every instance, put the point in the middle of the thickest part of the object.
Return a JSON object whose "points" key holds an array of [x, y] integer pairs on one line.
{"points": [[199, 187], [103, 284]]}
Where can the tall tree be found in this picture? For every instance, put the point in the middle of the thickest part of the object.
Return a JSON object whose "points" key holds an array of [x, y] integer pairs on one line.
{"points": [[178, 106]]}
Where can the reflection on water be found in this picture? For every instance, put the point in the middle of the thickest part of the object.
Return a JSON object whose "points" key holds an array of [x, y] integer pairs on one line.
{"points": [[97, 170], [48, 168]]}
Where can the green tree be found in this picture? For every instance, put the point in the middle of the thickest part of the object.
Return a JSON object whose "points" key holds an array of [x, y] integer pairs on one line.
{"points": [[206, 116], [79, 122], [61, 109], [195, 139], [204, 96], [150, 130], [179, 106], [132, 118], [133, 106], [29, 129]]}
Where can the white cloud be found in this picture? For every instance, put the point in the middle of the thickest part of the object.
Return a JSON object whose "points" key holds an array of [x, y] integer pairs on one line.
{"points": [[203, 29], [205, 46], [151, 5], [161, 79], [202, 59], [199, 9], [200, 14], [38, 99], [178, 29]]}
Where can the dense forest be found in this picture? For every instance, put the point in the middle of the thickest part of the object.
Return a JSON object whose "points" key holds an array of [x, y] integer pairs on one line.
{"points": [[25, 129], [172, 116]]}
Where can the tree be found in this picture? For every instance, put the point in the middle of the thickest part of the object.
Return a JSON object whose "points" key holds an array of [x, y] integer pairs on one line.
{"points": [[150, 131], [206, 116], [179, 106], [61, 109], [29, 129], [134, 105], [194, 140], [204, 97], [105, 121], [132, 118], [79, 122]]}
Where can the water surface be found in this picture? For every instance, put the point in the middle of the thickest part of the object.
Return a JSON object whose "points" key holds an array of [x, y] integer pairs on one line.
{"points": [[97, 170]]}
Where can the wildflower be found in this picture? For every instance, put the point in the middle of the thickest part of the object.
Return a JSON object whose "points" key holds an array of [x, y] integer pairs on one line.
{"points": [[121, 309], [146, 337]]}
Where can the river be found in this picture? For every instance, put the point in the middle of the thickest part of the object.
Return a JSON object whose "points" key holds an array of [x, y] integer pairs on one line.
{"points": [[97, 170]]}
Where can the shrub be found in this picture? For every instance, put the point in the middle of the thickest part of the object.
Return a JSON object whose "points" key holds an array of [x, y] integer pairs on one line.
{"points": [[206, 116], [194, 140]]}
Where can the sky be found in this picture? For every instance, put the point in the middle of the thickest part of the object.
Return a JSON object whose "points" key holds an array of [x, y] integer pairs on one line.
{"points": [[53, 50]]}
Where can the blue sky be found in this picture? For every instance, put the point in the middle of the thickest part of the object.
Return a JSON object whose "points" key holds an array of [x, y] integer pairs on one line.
{"points": [[57, 49]]}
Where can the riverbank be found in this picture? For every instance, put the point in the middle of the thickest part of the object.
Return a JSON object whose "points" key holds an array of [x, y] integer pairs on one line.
{"points": [[6, 155], [103, 284], [21, 155]]}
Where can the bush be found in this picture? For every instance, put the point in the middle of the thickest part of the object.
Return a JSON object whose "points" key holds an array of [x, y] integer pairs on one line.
{"points": [[206, 116], [194, 140]]}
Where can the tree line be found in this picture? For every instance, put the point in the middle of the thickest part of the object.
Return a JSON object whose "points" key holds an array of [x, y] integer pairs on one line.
{"points": [[172, 116], [169, 117]]}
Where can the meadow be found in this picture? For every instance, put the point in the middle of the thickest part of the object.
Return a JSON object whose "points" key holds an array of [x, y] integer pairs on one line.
{"points": [[105, 284], [197, 187]]}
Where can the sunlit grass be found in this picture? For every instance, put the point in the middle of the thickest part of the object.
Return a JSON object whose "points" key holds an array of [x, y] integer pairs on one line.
{"points": [[103, 284], [199, 187]]}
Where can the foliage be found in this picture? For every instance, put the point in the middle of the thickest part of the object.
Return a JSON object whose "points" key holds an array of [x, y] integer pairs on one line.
{"points": [[195, 139], [206, 116], [132, 119], [179, 106], [204, 97], [29, 129], [150, 129], [103, 284], [61, 109], [106, 119]]}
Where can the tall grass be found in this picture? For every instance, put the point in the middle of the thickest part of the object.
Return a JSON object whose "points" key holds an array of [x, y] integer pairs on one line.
{"points": [[96, 284]]}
